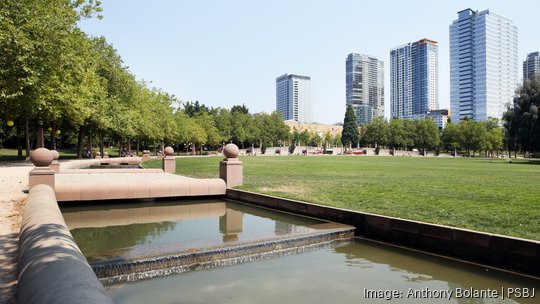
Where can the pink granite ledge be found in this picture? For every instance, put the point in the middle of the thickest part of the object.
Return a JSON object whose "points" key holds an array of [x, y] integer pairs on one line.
{"points": [[85, 163], [86, 187], [106, 171]]}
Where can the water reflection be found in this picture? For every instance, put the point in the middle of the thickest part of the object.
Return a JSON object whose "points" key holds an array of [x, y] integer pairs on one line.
{"points": [[423, 270], [155, 228], [336, 275], [230, 225]]}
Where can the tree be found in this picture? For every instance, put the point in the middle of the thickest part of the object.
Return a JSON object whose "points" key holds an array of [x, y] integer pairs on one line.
{"points": [[242, 128], [327, 140], [494, 140], [207, 122], [474, 133], [280, 131], [337, 139], [522, 119], [349, 135], [41, 63], [377, 132], [194, 108], [189, 131], [397, 134], [452, 138], [223, 124], [304, 137], [270, 128], [426, 135], [241, 109]]}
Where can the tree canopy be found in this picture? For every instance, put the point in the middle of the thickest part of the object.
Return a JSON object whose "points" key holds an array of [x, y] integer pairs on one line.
{"points": [[522, 120]]}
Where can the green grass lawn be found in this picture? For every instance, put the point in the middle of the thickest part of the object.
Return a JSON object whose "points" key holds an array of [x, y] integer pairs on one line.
{"points": [[480, 194]]}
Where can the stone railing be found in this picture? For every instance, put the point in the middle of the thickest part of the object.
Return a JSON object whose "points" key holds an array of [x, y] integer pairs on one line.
{"points": [[52, 268]]}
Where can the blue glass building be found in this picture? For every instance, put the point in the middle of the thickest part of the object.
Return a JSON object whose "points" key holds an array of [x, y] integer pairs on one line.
{"points": [[293, 98], [364, 86], [483, 65], [414, 80], [531, 66]]}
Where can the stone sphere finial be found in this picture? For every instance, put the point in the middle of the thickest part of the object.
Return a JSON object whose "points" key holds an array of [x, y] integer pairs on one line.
{"points": [[169, 151], [55, 155], [41, 157], [231, 151]]}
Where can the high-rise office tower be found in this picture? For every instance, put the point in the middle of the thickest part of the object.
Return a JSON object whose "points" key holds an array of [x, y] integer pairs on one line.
{"points": [[531, 66], [483, 64], [364, 89], [293, 98], [414, 79]]}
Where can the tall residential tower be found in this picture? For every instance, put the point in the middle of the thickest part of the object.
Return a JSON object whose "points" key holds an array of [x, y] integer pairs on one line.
{"points": [[293, 98], [531, 66], [364, 77], [414, 79], [483, 64]]}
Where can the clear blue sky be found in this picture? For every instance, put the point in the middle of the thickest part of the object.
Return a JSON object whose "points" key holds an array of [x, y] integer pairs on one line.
{"points": [[230, 52]]}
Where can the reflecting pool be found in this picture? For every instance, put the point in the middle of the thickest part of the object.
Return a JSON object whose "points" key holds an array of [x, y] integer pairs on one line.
{"points": [[345, 274], [144, 229]]}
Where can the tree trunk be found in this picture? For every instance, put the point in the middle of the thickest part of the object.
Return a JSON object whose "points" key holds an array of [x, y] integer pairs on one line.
{"points": [[40, 141], [80, 142], [90, 143], [101, 148], [193, 151], [27, 137], [137, 147], [19, 141], [53, 136], [129, 146]]}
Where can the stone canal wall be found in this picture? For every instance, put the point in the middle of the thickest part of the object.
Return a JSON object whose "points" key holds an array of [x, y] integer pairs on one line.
{"points": [[510, 253], [52, 268]]}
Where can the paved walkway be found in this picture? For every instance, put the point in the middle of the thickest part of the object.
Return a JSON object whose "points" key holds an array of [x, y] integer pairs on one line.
{"points": [[13, 181]]}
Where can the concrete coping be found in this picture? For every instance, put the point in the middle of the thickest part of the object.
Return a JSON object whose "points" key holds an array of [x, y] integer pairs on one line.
{"points": [[51, 267], [107, 171], [85, 163], [506, 252]]}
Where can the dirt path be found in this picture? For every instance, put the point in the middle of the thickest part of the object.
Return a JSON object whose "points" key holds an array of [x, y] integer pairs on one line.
{"points": [[13, 181]]}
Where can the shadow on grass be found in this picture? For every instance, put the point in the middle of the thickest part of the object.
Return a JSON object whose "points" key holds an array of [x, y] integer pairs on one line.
{"points": [[526, 161]]}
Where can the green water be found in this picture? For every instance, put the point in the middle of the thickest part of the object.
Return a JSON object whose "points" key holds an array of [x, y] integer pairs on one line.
{"points": [[144, 229], [338, 275]]}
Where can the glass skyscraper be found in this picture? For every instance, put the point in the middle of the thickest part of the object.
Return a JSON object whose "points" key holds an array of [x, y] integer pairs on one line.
{"points": [[531, 66], [414, 79], [364, 86], [483, 64], [293, 98]]}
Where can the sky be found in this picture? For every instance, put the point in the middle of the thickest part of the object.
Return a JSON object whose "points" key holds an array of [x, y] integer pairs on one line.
{"points": [[225, 53]]}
